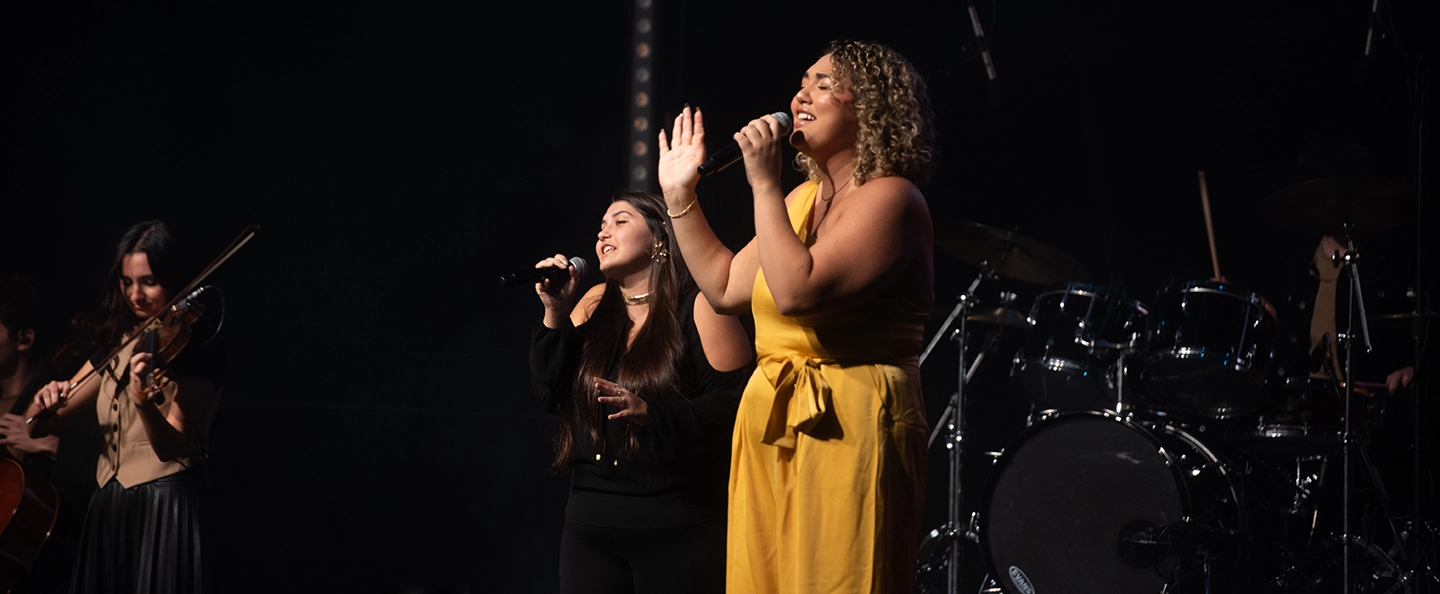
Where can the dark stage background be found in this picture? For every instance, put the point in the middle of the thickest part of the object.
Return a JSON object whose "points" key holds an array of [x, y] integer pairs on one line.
{"points": [[379, 431]]}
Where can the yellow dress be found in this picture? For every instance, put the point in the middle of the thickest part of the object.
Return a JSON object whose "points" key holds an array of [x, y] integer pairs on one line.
{"points": [[827, 476]]}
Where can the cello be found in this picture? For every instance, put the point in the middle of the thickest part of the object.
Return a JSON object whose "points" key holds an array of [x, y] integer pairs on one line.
{"points": [[28, 507]]}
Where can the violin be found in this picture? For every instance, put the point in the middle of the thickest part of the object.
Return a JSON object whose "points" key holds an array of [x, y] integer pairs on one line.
{"points": [[164, 334]]}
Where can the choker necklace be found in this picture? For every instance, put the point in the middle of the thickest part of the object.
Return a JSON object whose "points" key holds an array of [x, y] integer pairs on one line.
{"points": [[640, 299]]}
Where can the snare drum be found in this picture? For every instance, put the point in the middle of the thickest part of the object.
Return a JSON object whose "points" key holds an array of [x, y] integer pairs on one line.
{"points": [[1091, 502], [1209, 347], [1076, 335]]}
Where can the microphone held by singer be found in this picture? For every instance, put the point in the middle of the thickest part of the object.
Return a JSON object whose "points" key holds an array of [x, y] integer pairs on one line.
{"points": [[727, 156], [529, 276]]}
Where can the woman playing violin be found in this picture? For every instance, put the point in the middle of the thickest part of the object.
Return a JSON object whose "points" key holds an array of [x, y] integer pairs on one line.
{"points": [[144, 529]]}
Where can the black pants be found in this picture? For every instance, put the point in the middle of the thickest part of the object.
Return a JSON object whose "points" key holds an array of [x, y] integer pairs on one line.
{"points": [[596, 560]]}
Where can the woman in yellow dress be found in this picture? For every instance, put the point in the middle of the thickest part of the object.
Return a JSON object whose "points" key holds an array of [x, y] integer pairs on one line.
{"points": [[827, 478]]}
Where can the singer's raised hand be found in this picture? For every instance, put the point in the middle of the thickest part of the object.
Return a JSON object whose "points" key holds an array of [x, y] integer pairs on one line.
{"points": [[759, 141], [557, 296], [681, 154]]}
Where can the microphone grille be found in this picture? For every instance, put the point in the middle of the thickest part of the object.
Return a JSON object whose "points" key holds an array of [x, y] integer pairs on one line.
{"points": [[580, 265], [783, 118]]}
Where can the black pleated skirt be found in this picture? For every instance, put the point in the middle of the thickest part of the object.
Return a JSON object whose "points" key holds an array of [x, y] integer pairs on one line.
{"points": [[145, 539]]}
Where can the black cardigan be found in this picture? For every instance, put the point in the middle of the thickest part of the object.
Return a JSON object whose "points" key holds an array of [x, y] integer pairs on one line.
{"points": [[681, 475]]}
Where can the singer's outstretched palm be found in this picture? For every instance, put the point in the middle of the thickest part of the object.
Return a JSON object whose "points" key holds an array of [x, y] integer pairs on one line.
{"points": [[682, 153]]}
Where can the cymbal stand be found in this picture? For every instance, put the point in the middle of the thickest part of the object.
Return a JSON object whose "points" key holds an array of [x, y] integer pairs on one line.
{"points": [[1357, 300], [953, 421]]}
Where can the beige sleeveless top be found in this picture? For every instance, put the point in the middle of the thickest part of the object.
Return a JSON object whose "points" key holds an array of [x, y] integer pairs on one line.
{"points": [[127, 455]]}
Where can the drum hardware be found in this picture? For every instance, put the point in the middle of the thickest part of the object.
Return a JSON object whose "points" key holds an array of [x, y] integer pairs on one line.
{"points": [[1315, 571], [1307, 479], [935, 554]]}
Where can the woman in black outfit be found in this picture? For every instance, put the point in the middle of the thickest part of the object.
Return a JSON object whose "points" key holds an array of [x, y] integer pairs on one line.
{"points": [[644, 378]]}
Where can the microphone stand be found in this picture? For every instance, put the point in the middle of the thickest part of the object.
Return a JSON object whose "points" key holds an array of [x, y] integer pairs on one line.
{"points": [[1357, 301], [953, 422]]}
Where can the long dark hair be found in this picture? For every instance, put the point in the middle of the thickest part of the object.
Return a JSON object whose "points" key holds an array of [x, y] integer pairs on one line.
{"points": [[650, 367], [168, 262]]}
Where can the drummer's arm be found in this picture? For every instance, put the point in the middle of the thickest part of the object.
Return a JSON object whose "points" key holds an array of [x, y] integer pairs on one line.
{"points": [[1400, 380], [1331, 247]]}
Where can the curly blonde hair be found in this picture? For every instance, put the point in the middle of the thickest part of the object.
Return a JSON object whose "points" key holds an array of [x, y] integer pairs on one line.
{"points": [[897, 134]]}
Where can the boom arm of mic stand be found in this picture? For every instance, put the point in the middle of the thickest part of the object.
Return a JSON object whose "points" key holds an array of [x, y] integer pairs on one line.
{"points": [[1352, 262], [961, 306]]}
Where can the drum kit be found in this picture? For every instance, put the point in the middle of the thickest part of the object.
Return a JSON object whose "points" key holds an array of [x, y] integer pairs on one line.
{"points": [[1162, 453]]}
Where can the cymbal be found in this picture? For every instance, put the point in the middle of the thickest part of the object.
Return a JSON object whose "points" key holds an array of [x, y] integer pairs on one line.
{"points": [[1325, 205], [1402, 322], [1000, 316], [1018, 257]]}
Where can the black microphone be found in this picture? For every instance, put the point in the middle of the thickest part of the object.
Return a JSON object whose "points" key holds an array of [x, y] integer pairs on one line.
{"points": [[530, 276], [727, 156], [1370, 29], [993, 83]]}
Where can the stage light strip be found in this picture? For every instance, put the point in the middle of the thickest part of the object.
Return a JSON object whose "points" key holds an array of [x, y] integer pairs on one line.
{"points": [[642, 108]]}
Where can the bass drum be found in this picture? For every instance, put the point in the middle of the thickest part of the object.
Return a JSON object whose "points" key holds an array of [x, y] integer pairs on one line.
{"points": [[1088, 502]]}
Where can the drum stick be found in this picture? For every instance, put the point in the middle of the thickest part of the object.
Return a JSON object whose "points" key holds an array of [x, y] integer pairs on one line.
{"points": [[1209, 225]]}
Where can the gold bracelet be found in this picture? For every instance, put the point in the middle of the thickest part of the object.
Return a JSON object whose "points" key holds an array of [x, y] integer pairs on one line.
{"points": [[683, 212]]}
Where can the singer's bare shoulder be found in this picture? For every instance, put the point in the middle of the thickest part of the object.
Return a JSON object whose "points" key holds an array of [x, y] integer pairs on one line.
{"points": [[587, 304], [885, 202]]}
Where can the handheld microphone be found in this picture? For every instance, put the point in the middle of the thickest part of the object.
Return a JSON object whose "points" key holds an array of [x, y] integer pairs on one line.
{"points": [[530, 276], [727, 156]]}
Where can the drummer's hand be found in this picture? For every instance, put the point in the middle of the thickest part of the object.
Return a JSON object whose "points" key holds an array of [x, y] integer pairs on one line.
{"points": [[1400, 380], [759, 141], [681, 153], [1331, 247], [632, 408]]}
